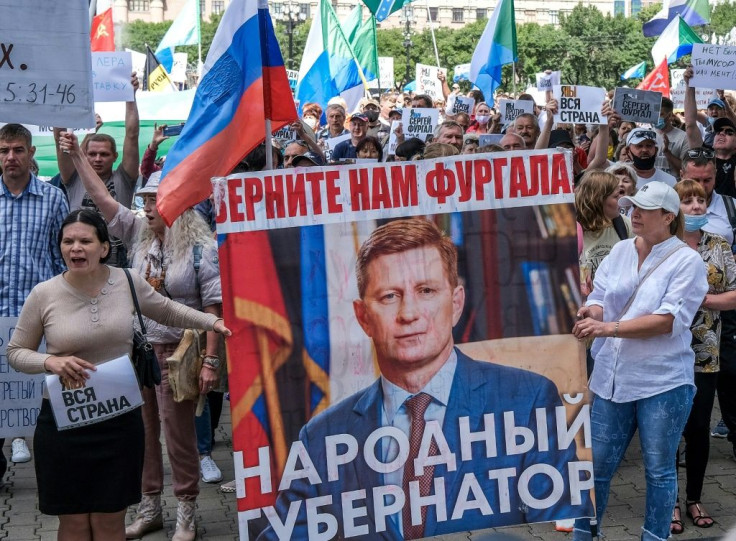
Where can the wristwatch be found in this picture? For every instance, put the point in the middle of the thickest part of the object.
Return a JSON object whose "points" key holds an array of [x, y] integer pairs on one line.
{"points": [[212, 360]]}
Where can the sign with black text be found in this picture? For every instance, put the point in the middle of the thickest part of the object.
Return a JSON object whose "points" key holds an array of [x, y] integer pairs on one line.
{"points": [[510, 109], [111, 390], [714, 66], [579, 104], [547, 80], [419, 122], [46, 78], [637, 105], [427, 81]]}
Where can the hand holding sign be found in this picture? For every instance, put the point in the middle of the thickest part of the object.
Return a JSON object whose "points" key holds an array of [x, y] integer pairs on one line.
{"points": [[72, 369]]}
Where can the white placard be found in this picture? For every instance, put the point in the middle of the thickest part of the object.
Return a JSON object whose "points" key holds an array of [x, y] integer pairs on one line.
{"points": [[510, 109], [45, 66], [111, 76], [678, 87], [420, 122], [329, 144], [459, 104], [545, 81], [293, 77], [579, 104], [714, 66], [111, 390], [139, 62], [637, 105], [20, 394], [385, 73], [427, 81], [392, 139], [179, 68]]}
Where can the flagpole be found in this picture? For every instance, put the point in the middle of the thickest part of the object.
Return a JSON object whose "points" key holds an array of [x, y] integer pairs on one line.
{"points": [[431, 29], [269, 146], [513, 76]]}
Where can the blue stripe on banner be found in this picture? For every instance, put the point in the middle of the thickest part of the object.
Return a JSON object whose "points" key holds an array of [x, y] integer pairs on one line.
{"points": [[219, 94], [259, 410], [315, 312]]}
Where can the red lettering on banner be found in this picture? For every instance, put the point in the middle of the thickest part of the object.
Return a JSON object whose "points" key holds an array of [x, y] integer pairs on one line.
{"points": [[498, 165], [404, 186], [380, 192], [482, 174], [518, 183], [464, 180], [234, 198], [539, 166], [296, 195], [333, 192], [274, 196], [440, 183], [314, 178], [360, 198], [560, 180]]}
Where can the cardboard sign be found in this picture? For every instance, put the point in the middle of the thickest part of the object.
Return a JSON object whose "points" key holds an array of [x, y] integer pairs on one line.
{"points": [[637, 105], [714, 66], [579, 104], [419, 123], [293, 76], [285, 134], [385, 73], [546, 81], [427, 81], [111, 390], [46, 79], [179, 68], [459, 104], [678, 88], [392, 139], [510, 109], [111, 76], [20, 394], [329, 144]]}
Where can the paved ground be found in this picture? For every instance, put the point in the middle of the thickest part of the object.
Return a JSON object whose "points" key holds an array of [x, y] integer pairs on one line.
{"points": [[21, 521]]}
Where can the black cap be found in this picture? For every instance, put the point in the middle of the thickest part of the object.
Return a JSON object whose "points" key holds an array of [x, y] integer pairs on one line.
{"points": [[723, 122], [559, 137], [310, 156]]}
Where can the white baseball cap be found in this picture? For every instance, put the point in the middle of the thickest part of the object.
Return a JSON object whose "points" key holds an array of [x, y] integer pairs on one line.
{"points": [[653, 195]]}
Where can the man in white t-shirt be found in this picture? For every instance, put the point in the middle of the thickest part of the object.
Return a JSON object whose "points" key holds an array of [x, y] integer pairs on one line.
{"points": [[642, 145], [672, 142]]}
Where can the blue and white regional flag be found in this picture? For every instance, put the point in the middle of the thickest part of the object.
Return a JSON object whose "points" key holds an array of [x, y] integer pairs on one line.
{"points": [[638, 71]]}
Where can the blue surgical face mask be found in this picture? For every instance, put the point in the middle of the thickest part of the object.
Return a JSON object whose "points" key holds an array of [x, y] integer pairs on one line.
{"points": [[694, 222], [660, 124], [711, 120]]}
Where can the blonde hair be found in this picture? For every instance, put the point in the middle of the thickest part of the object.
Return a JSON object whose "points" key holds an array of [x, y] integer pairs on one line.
{"points": [[590, 194]]}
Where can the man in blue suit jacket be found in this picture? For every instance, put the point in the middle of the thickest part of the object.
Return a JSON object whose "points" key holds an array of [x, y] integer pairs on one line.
{"points": [[499, 460]]}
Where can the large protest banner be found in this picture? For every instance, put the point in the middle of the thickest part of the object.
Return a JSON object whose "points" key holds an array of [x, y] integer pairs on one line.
{"points": [[314, 458], [20, 394], [46, 80]]}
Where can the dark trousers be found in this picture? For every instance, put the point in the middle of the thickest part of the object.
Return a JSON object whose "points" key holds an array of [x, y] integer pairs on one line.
{"points": [[3, 460], [697, 434], [727, 374]]}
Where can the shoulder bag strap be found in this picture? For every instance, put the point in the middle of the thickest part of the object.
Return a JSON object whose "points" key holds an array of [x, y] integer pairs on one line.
{"points": [[620, 227], [197, 262], [135, 301], [644, 278]]}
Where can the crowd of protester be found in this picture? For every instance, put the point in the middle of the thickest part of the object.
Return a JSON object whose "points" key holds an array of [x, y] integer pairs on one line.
{"points": [[642, 193]]}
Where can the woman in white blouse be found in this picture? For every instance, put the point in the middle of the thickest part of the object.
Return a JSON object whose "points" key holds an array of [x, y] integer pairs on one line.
{"points": [[645, 295]]}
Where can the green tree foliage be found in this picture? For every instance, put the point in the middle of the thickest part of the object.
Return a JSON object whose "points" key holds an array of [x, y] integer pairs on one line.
{"points": [[588, 47], [723, 18]]}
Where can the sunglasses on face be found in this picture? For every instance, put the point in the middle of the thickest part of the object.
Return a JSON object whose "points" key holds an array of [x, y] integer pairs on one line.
{"points": [[726, 131], [706, 153]]}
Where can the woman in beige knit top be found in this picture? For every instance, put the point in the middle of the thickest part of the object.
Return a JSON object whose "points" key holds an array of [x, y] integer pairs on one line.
{"points": [[164, 256], [89, 475]]}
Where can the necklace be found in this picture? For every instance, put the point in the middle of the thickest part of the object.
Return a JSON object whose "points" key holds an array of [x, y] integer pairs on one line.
{"points": [[156, 283]]}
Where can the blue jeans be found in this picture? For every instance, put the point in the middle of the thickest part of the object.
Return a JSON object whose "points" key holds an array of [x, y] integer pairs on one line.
{"points": [[660, 420], [203, 424]]}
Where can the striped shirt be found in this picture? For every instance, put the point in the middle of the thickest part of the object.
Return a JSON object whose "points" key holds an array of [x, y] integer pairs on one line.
{"points": [[29, 251]]}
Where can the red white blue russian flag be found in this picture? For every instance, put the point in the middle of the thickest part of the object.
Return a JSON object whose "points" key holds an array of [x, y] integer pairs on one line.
{"points": [[242, 82]]}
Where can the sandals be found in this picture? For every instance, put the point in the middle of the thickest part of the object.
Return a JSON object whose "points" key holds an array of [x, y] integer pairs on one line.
{"points": [[701, 519], [676, 525]]}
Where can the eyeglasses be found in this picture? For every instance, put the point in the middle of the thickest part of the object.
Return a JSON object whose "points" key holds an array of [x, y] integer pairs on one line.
{"points": [[695, 153], [726, 131]]}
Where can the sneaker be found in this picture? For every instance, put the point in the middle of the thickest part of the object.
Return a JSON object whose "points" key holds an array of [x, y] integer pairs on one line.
{"points": [[210, 472], [20, 451], [720, 430], [228, 488]]}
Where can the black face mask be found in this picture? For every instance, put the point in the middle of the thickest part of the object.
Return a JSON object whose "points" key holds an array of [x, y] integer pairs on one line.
{"points": [[372, 115], [643, 164]]}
